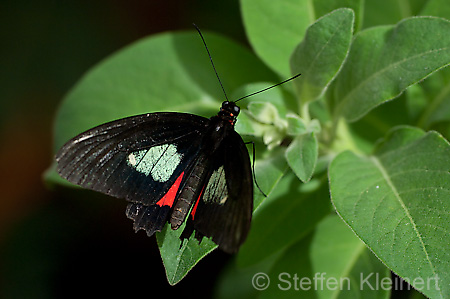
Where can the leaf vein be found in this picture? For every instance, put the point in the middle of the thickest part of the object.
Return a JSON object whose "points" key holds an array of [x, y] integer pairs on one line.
{"points": [[380, 72], [405, 209]]}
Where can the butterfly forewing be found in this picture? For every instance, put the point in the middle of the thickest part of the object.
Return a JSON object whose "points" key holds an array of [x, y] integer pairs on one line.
{"points": [[137, 158]]}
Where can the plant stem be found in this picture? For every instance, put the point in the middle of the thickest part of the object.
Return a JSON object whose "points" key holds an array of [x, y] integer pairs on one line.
{"points": [[432, 107], [343, 139], [304, 112]]}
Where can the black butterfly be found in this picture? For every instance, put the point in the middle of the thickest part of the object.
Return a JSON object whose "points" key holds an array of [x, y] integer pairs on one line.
{"points": [[170, 166]]}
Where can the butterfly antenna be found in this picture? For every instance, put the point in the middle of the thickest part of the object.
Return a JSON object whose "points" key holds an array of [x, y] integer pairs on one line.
{"points": [[210, 58], [262, 90]]}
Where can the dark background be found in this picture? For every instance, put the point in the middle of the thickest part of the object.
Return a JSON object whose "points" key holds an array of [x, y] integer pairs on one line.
{"points": [[58, 242]]}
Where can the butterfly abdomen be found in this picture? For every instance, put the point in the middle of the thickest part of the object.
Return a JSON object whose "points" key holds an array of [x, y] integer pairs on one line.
{"points": [[190, 192]]}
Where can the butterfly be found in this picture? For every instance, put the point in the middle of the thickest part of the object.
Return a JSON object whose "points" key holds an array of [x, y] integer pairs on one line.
{"points": [[172, 168]]}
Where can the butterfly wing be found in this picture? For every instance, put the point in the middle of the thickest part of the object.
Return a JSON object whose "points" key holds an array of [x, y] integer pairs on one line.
{"points": [[224, 209], [141, 158]]}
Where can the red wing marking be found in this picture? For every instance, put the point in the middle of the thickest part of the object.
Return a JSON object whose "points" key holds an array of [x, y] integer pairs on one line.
{"points": [[169, 197], [196, 203]]}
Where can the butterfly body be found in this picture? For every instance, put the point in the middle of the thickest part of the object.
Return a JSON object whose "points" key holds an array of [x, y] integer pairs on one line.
{"points": [[170, 166]]}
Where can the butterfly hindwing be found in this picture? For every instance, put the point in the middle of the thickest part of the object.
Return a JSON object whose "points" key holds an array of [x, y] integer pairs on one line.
{"points": [[153, 217], [137, 158], [224, 208]]}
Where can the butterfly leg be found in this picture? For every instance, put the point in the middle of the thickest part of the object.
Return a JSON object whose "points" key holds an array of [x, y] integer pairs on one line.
{"points": [[253, 167]]}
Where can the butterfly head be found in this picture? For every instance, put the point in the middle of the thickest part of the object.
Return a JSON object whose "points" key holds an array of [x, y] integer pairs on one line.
{"points": [[229, 111]]}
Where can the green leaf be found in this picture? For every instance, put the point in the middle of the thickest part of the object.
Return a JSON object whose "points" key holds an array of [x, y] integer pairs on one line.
{"points": [[246, 125], [376, 14], [438, 8], [236, 282], [291, 205], [378, 122], [416, 295], [302, 154], [166, 72], [263, 120], [330, 263], [385, 60], [274, 28], [437, 88], [397, 138], [296, 125], [179, 260], [268, 123], [263, 112], [322, 7], [279, 96], [416, 100], [268, 172], [397, 202], [321, 54]]}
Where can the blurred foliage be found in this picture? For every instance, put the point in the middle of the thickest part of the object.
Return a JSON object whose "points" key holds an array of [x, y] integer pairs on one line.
{"points": [[51, 244]]}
